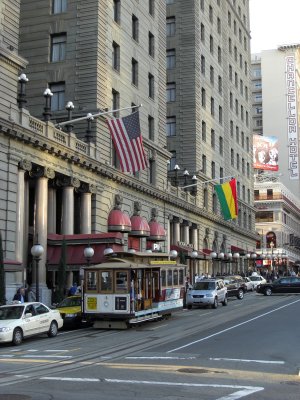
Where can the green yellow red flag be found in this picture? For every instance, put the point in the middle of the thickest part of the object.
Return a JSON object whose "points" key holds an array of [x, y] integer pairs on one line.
{"points": [[227, 196]]}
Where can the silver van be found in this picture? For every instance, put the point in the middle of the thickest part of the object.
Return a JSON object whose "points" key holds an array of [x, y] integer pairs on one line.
{"points": [[207, 292]]}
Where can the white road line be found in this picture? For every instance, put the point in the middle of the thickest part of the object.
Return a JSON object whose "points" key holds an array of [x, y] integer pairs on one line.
{"points": [[244, 360], [244, 390], [45, 356], [160, 358], [232, 327]]}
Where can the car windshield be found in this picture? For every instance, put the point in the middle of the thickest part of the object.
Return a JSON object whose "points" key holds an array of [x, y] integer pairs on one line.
{"points": [[11, 312], [70, 302], [255, 278], [204, 286]]}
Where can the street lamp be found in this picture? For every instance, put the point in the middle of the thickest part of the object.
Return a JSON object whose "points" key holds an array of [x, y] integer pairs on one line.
{"points": [[185, 175], [213, 255], [193, 256], [37, 251], [236, 257], [194, 188], [47, 109], [272, 247], [176, 169], [173, 254], [22, 94], [69, 108], [88, 254], [89, 118]]}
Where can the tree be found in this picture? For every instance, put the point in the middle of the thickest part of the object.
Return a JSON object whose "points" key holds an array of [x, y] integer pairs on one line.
{"points": [[2, 275]]}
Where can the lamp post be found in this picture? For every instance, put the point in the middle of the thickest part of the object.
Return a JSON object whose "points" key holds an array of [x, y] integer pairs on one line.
{"points": [[69, 108], [213, 255], [37, 251], [47, 109], [88, 254], [185, 175], [22, 94], [194, 188], [193, 256], [272, 247], [89, 119], [176, 169], [236, 257]]}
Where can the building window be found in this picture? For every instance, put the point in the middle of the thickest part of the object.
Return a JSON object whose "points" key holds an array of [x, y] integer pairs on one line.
{"points": [[229, 19], [230, 45], [238, 162], [219, 55], [214, 203], [151, 86], [134, 72], [151, 44], [211, 44], [230, 73], [212, 106], [243, 166], [205, 198], [202, 33], [116, 56], [152, 170], [221, 146], [151, 7], [59, 6], [248, 170], [202, 5], [232, 157], [115, 102], [237, 134], [219, 25], [58, 98], [58, 47], [171, 26], [203, 97], [212, 75], [203, 65], [203, 131], [220, 115], [231, 128], [171, 91], [212, 138], [171, 59], [247, 144], [220, 85], [204, 163], [211, 14], [150, 127], [135, 28], [117, 11], [171, 126]]}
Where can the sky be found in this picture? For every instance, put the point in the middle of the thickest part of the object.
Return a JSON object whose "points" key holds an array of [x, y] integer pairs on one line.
{"points": [[273, 23]]}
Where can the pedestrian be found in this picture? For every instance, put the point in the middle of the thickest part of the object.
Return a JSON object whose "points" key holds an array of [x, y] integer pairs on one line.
{"points": [[73, 289], [20, 295], [31, 294]]}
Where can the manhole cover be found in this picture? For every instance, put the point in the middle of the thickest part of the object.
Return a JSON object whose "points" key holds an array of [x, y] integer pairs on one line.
{"points": [[14, 397], [197, 371]]}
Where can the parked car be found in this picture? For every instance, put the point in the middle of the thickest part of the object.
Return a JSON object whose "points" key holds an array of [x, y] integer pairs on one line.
{"points": [[282, 285], [207, 292], [257, 280], [70, 310], [21, 320], [249, 284], [236, 286]]}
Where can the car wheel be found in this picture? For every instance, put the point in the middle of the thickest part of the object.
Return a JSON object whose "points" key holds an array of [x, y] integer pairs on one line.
{"points": [[17, 338], [268, 291], [53, 329], [240, 294], [225, 302], [215, 304]]}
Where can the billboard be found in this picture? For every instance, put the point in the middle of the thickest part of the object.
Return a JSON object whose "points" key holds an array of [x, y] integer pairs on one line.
{"points": [[265, 152]]}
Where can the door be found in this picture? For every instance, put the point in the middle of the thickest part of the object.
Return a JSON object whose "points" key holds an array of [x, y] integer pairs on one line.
{"points": [[295, 285], [43, 317], [282, 285], [30, 324]]}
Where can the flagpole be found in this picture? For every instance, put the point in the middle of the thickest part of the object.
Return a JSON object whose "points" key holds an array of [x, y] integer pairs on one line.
{"points": [[96, 115], [211, 180]]}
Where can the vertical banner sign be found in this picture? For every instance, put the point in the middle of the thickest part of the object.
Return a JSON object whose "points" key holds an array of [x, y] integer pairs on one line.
{"points": [[292, 123]]}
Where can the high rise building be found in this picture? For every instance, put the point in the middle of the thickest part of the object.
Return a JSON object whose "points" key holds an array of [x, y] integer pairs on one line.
{"points": [[275, 94], [68, 189]]}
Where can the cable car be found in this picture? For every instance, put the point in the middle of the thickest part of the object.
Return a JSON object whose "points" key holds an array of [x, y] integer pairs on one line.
{"points": [[132, 288]]}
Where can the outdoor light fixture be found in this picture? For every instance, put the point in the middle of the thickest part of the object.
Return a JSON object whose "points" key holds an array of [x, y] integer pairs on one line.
{"points": [[108, 251], [173, 254], [22, 94], [88, 254], [47, 109]]}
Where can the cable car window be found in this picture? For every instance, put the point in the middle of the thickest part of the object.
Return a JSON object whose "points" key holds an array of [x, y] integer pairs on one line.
{"points": [[181, 278], [170, 276], [106, 282], [122, 281], [175, 277], [91, 281], [163, 278]]}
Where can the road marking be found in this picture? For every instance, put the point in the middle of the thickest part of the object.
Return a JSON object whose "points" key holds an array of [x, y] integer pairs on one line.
{"points": [[232, 327], [160, 358], [244, 360], [45, 356], [245, 390]]}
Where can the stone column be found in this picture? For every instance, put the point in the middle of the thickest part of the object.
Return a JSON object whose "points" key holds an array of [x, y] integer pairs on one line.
{"points": [[176, 230], [186, 232], [21, 238], [51, 210], [86, 208], [194, 242], [41, 226]]}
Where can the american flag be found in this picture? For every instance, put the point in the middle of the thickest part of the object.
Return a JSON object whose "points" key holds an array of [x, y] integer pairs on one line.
{"points": [[128, 142]]}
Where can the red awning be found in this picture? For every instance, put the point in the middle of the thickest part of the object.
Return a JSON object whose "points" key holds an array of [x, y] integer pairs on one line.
{"points": [[207, 251], [118, 221], [139, 226], [157, 232], [235, 249]]}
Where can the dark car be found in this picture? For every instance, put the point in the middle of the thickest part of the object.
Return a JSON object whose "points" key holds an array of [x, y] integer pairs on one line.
{"points": [[288, 284], [236, 286]]}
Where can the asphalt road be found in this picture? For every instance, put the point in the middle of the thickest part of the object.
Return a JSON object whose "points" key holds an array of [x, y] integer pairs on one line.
{"points": [[249, 349]]}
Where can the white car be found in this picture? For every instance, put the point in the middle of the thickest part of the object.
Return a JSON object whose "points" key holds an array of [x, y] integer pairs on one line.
{"points": [[257, 280], [249, 284], [18, 321]]}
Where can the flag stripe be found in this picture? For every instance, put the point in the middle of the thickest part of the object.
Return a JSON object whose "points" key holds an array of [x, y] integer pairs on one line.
{"points": [[228, 199], [128, 142]]}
